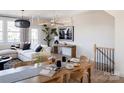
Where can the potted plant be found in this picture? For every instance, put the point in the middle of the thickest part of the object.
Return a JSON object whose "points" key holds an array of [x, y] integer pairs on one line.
{"points": [[50, 34], [40, 57]]}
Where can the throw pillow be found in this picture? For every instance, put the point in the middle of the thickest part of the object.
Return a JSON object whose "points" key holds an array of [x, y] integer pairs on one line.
{"points": [[26, 46], [38, 49]]}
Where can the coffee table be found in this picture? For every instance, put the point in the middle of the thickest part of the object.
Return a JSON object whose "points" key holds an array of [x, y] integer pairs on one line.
{"points": [[3, 61]]}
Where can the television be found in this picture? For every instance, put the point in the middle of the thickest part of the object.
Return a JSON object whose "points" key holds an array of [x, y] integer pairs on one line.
{"points": [[21, 23]]}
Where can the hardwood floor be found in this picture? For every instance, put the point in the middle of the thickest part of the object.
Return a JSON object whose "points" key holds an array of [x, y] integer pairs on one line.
{"points": [[103, 77]]}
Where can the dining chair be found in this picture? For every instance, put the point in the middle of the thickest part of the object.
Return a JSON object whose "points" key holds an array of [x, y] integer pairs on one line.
{"points": [[84, 58], [80, 76], [76, 76], [89, 66], [85, 77], [83, 74]]}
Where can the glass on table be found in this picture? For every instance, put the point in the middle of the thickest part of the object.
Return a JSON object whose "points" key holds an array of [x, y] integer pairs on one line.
{"points": [[58, 64], [64, 59]]}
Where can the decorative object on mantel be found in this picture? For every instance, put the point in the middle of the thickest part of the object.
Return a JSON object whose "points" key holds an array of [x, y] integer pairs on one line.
{"points": [[50, 33], [66, 33], [56, 40]]}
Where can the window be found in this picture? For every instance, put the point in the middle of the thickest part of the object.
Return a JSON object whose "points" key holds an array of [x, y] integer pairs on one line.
{"points": [[13, 32], [1, 30], [34, 35]]}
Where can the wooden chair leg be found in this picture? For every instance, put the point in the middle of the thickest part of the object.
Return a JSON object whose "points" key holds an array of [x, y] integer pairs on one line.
{"points": [[81, 80], [89, 77]]}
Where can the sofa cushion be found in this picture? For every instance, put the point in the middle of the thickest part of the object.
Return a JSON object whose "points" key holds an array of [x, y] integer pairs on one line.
{"points": [[20, 51], [7, 51], [26, 46], [28, 54], [34, 46], [5, 46], [38, 49]]}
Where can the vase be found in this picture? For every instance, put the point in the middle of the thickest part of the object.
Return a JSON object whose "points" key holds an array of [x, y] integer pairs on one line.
{"points": [[49, 50]]}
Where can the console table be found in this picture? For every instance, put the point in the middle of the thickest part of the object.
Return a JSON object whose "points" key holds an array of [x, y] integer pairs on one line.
{"points": [[73, 48]]}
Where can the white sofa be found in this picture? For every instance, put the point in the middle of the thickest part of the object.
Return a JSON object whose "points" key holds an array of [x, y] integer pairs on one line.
{"points": [[29, 55], [6, 51], [24, 55]]}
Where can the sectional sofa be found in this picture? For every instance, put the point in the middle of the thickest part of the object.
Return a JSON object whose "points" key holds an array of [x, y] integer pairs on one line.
{"points": [[6, 51], [23, 55]]}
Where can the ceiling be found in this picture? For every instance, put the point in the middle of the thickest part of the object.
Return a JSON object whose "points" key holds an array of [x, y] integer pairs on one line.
{"points": [[40, 13]]}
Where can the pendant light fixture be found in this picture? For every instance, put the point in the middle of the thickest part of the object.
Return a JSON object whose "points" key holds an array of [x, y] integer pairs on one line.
{"points": [[22, 23]]}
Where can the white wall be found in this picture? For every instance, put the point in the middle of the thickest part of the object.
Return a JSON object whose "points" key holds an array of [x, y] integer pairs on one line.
{"points": [[119, 43], [95, 27]]}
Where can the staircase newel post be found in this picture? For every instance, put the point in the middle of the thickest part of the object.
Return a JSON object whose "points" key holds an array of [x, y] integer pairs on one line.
{"points": [[94, 55]]}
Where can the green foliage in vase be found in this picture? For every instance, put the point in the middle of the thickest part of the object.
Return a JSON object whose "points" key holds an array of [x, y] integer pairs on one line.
{"points": [[38, 59], [50, 33]]}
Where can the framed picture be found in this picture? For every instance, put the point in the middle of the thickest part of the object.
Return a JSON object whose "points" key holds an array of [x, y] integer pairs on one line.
{"points": [[66, 33]]}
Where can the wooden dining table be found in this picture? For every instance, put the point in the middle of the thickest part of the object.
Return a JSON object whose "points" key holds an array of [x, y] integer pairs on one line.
{"points": [[62, 73]]}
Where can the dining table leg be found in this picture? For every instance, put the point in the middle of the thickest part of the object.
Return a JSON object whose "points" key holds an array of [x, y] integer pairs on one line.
{"points": [[67, 77], [89, 78]]}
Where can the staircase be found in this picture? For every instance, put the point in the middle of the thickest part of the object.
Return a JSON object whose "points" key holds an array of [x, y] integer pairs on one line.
{"points": [[104, 58]]}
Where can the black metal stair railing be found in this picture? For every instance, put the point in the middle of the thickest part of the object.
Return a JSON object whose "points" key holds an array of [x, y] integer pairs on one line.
{"points": [[104, 58]]}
